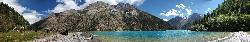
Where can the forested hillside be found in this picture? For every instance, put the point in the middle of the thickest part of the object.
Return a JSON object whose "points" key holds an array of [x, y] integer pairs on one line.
{"points": [[10, 19], [231, 15]]}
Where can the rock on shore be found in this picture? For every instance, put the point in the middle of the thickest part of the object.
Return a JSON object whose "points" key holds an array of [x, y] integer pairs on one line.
{"points": [[235, 37], [71, 37]]}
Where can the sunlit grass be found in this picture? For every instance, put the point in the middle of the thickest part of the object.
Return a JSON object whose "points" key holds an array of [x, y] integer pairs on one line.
{"points": [[20, 36]]}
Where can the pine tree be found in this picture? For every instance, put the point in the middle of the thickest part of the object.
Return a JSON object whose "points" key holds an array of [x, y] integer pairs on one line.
{"points": [[231, 15]]}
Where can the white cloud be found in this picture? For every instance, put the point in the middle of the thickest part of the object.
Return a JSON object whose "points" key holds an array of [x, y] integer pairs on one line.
{"points": [[15, 5], [208, 10], [171, 12], [65, 5], [30, 15], [182, 11], [189, 11], [72, 4], [181, 6], [165, 19]]}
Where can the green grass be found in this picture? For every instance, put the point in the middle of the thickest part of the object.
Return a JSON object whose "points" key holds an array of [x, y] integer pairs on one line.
{"points": [[20, 36]]}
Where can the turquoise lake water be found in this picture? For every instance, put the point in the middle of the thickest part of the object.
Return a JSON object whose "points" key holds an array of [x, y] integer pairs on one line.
{"points": [[159, 36]]}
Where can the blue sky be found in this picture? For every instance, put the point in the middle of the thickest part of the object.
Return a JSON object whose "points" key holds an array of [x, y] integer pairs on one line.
{"points": [[38, 5], [156, 7], [33, 10]]}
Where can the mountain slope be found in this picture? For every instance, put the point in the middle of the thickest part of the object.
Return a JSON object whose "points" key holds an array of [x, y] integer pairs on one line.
{"points": [[177, 22], [100, 16], [10, 19], [231, 15], [194, 17], [181, 23]]}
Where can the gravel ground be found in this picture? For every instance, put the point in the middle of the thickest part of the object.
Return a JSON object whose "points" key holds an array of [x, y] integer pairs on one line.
{"points": [[235, 37], [71, 37]]}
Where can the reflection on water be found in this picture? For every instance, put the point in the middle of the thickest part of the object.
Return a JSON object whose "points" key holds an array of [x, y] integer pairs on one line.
{"points": [[159, 36]]}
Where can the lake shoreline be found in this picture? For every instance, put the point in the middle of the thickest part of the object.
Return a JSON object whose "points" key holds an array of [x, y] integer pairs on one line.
{"points": [[235, 37], [136, 36], [71, 37]]}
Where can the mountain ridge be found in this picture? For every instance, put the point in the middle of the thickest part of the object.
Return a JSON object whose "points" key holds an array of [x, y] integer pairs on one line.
{"points": [[182, 23], [100, 16]]}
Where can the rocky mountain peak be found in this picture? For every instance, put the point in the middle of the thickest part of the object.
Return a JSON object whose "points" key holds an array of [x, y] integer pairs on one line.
{"points": [[124, 5], [97, 5], [181, 23], [101, 16]]}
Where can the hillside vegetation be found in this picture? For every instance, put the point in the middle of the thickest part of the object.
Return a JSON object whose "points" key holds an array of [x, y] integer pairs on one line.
{"points": [[231, 15], [11, 20], [14, 28]]}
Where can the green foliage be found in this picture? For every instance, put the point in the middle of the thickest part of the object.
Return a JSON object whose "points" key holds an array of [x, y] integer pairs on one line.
{"points": [[232, 15], [10, 19], [21, 36], [199, 27], [230, 7]]}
